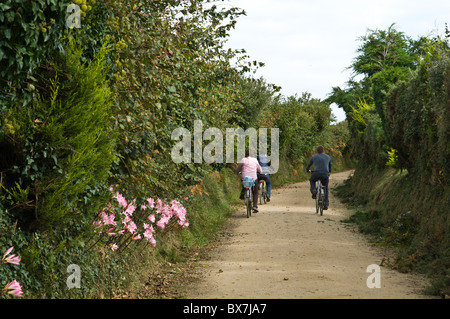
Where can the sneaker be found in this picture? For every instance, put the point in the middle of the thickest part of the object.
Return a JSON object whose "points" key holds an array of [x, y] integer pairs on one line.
{"points": [[314, 194], [255, 209], [268, 199], [242, 196], [325, 207]]}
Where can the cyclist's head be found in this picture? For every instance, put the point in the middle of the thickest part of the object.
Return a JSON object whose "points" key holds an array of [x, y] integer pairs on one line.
{"points": [[320, 149]]}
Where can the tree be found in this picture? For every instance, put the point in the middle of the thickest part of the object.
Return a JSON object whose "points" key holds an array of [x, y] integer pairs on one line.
{"points": [[384, 58]]}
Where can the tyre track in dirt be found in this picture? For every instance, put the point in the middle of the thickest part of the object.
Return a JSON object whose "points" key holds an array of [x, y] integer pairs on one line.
{"points": [[286, 251]]}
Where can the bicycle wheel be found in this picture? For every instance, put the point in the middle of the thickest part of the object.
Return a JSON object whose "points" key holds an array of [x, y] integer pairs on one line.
{"points": [[321, 201], [249, 203], [321, 207], [260, 192], [264, 194], [317, 197]]}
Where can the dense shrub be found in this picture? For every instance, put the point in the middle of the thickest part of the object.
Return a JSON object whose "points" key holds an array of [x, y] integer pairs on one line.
{"points": [[399, 117], [418, 124]]}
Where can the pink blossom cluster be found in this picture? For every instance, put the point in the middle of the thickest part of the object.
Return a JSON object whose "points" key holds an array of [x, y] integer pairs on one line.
{"points": [[13, 288], [137, 223]]}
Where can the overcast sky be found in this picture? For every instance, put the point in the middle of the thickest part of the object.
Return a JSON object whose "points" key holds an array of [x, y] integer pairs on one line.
{"points": [[307, 45]]}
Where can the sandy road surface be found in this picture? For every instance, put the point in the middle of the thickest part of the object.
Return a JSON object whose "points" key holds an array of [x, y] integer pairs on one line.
{"points": [[286, 251]]}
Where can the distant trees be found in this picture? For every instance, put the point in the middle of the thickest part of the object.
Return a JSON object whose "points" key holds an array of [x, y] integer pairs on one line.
{"points": [[379, 119]]}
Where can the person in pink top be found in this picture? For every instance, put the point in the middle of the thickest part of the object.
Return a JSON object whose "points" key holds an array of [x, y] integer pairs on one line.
{"points": [[249, 166]]}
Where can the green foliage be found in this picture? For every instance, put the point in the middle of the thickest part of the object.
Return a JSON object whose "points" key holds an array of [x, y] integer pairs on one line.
{"points": [[67, 136], [300, 120], [392, 158], [84, 109], [405, 82], [87, 108], [77, 123], [30, 31], [254, 96], [170, 68], [417, 114], [358, 116], [382, 49]]}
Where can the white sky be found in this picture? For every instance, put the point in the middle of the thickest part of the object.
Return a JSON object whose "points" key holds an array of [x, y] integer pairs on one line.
{"points": [[307, 45]]}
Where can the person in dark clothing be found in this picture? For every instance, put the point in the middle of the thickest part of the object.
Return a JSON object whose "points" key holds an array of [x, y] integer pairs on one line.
{"points": [[322, 169], [265, 174]]}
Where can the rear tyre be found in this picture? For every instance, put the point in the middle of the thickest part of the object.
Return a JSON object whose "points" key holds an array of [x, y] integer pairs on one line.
{"points": [[317, 204], [249, 204], [264, 195]]}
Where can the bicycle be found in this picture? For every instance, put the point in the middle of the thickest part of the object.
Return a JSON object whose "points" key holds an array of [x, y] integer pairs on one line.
{"points": [[262, 192], [248, 184], [320, 197]]}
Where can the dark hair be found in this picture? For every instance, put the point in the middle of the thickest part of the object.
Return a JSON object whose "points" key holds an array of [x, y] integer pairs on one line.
{"points": [[249, 152], [320, 149]]}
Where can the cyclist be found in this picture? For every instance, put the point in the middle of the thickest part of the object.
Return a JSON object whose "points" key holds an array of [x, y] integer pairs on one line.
{"points": [[265, 174], [249, 166], [322, 170]]}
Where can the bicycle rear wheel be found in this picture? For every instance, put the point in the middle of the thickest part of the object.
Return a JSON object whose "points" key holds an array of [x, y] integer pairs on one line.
{"points": [[317, 197], [260, 192], [249, 200], [321, 200], [263, 193]]}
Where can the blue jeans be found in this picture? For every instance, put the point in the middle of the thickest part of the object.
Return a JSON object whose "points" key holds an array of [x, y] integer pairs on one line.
{"points": [[266, 178], [324, 178]]}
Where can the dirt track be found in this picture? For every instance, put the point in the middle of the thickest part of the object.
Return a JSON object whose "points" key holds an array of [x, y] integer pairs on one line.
{"points": [[286, 251]]}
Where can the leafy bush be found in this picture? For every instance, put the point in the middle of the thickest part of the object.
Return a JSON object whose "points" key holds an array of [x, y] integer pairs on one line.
{"points": [[66, 138]]}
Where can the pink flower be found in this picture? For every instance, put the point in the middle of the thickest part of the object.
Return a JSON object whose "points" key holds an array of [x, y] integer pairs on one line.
{"points": [[151, 218], [108, 219], [151, 202], [131, 227], [13, 259], [148, 233], [13, 288], [114, 247], [129, 210], [121, 200], [163, 222], [159, 205]]}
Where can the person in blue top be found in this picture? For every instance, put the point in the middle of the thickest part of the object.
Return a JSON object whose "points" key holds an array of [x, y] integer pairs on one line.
{"points": [[322, 169], [265, 174]]}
